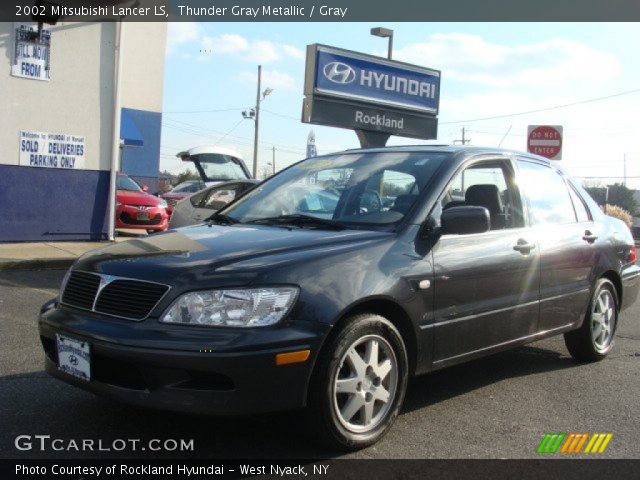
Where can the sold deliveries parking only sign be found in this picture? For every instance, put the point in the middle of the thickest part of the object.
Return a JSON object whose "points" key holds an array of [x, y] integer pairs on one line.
{"points": [[51, 150], [545, 140]]}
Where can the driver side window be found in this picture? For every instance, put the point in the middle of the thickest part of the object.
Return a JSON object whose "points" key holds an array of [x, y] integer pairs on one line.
{"points": [[490, 185]]}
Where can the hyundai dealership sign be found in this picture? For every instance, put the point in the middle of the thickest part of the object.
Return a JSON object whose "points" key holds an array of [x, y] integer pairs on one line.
{"points": [[363, 92]]}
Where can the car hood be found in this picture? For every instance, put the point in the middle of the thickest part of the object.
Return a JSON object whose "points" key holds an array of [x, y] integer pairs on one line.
{"points": [[234, 254], [130, 197]]}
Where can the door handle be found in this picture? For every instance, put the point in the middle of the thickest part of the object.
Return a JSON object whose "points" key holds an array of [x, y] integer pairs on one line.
{"points": [[523, 246], [589, 237]]}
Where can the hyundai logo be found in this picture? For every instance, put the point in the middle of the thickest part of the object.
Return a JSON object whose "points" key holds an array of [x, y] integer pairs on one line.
{"points": [[338, 72]]}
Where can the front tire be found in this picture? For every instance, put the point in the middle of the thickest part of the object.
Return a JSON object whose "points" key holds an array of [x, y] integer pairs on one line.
{"points": [[595, 338], [359, 383]]}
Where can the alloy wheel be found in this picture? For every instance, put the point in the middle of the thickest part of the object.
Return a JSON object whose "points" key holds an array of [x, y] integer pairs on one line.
{"points": [[365, 384], [603, 317]]}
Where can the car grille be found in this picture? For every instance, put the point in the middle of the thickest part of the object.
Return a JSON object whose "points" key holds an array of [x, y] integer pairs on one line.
{"points": [[126, 218], [119, 297]]}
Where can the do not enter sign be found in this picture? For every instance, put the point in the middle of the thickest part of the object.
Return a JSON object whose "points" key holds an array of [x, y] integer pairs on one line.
{"points": [[545, 140]]}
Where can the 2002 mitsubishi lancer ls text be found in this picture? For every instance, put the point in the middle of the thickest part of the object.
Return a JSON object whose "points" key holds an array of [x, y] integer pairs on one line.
{"points": [[333, 282]]}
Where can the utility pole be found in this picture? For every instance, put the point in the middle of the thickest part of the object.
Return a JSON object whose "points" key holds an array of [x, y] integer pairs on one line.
{"points": [[257, 125], [464, 139], [273, 160]]}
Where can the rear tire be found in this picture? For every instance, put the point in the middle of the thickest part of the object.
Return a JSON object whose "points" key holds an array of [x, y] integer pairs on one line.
{"points": [[359, 383], [595, 338]]}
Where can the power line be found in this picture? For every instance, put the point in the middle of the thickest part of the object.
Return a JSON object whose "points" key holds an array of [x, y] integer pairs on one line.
{"points": [[555, 107], [205, 111]]}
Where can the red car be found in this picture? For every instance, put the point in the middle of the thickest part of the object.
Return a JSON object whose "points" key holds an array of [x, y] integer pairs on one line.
{"points": [[137, 209], [181, 191]]}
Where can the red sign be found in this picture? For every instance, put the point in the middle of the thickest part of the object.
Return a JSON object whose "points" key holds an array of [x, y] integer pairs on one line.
{"points": [[545, 140]]}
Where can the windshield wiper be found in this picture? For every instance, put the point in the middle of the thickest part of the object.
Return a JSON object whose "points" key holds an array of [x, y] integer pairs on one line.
{"points": [[299, 220], [221, 218]]}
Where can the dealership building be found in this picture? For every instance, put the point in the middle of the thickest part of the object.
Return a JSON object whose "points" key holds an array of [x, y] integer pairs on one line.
{"points": [[75, 97]]}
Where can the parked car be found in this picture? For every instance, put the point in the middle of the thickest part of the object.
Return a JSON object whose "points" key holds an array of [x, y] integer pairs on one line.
{"points": [[278, 304], [205, 203], [180, 191], [216, 164], [137, 209]]}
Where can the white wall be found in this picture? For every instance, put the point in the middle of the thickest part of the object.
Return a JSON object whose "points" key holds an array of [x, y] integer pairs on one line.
{"points": [[144, 53], [77, 100]]}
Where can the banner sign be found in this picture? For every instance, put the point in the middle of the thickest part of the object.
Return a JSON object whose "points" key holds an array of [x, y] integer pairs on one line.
{"points": [[374, 80], [32, 53], [362, 117], [51, 150]]}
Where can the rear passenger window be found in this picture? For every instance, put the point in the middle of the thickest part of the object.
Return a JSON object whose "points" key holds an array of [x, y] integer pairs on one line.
{"points": [[581, 210], [549, 198]]}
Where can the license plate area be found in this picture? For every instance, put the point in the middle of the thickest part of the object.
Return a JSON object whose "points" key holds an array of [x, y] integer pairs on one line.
{"points": [[74, 357], [143, 216]]}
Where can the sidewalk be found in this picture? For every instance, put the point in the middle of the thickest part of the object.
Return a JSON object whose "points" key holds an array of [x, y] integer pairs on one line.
{"points": [[45, 255]]}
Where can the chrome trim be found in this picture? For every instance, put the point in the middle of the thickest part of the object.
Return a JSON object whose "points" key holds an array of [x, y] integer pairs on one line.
{"points": [[106, 280]]}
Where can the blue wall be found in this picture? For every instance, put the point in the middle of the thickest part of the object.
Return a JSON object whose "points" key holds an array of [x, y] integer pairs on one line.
{"points": [[48, 204], [143, 163]]}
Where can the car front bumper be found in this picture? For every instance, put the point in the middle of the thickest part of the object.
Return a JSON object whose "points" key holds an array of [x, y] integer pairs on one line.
{"points": [[239, 377], [127, 217]]}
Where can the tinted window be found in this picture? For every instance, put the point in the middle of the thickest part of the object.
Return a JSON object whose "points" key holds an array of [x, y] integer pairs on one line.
{"points": [[549, 199], [581, 210], [489, 185]]}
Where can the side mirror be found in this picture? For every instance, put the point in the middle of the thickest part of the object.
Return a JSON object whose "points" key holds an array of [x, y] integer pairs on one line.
{"points": [[144, 188], [465, 220]]}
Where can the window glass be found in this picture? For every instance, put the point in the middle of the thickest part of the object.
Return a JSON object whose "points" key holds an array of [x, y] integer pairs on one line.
{"points": [[549, 199], [489, 185], [218, 167], [219, 197], [352, 188], [125, 183], [581, 210], [196, 199]]}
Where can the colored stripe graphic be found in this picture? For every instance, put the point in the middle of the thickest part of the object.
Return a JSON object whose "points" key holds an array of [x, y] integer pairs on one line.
{"points": [[572, 443], [598, 443], [551, 442]]}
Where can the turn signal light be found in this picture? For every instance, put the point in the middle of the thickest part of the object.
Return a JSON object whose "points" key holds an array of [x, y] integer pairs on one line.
{"points": [[633, 253], [287, 358]]}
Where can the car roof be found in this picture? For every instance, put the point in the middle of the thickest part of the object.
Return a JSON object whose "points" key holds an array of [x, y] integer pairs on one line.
{"points": [[463, 151]]}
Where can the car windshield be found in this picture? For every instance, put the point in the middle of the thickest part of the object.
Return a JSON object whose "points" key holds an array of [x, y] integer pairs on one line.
{"points": [[125, 183], [218, 167], [188, 187], [347, 189]]}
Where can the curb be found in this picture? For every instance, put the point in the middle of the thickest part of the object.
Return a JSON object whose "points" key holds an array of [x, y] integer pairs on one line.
{"points": [[38, 264]]}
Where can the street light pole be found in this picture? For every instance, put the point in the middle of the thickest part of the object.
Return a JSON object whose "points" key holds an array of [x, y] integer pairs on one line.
{"points": [[257, 125], [385, 33], [273, 161]]}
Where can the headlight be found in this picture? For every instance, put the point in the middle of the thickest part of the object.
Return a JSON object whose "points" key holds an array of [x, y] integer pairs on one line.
{"points": [[242, 307], [163, 203]]}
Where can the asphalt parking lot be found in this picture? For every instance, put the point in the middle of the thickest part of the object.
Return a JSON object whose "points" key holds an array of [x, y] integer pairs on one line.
{"points": [[497, 407]]}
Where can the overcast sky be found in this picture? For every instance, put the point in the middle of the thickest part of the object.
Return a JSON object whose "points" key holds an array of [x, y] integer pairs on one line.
{"points": [[488, 69]]}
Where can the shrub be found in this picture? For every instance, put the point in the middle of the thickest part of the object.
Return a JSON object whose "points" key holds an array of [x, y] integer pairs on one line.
{"points": [[619, 213]]}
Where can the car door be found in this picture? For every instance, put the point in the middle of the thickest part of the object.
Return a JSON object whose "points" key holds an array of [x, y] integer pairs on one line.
{"points": [[215, 199], [567, 238], [486, 284]]}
